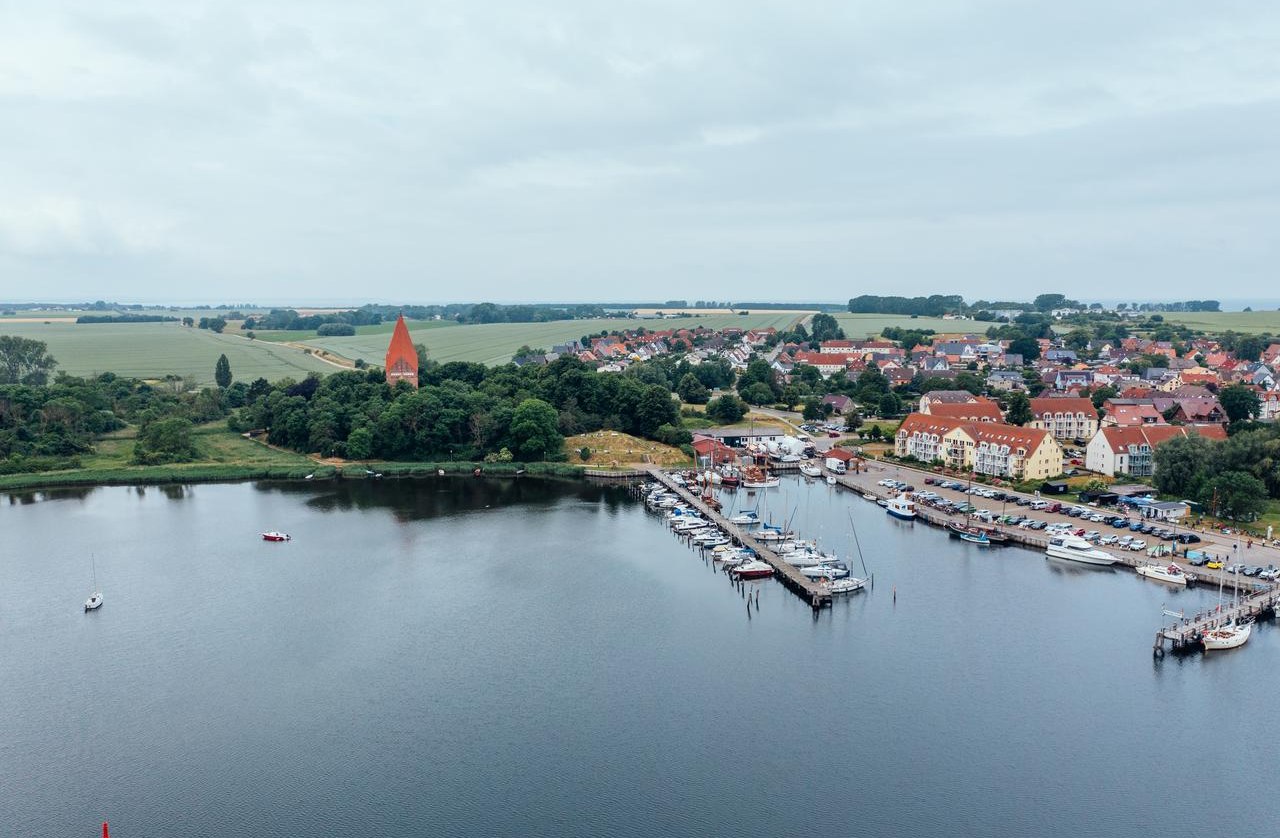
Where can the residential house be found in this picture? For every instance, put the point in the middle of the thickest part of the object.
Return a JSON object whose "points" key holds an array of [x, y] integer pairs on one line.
{"points": [[1127, 413], [981, 409], [991, 448], [840, 404], [1006, 381], [1130, 449], [934, 397], [1065, 418]]}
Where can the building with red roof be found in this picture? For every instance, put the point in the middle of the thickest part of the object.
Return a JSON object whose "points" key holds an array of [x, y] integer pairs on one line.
{"points": [[402, 357]]}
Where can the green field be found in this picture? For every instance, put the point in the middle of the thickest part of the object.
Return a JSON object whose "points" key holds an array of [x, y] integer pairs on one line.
{"points": [[869, 325], [1251, 322], [153, 350], [495, 343], [384, 329]]}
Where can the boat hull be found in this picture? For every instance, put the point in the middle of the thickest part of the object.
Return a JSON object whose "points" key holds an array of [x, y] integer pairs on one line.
{"points": [[1080, 558], [1161, 575], [1232, 638], [752, 574], [901, 516]]}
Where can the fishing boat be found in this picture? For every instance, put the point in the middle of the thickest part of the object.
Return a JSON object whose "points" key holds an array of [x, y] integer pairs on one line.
{"points": [[752, 570], [901, 507], [754, 477], [810, 470], [978, 538], [276, 536], [94, 602], [1073, 548], [976, 534], [1170, 573]]}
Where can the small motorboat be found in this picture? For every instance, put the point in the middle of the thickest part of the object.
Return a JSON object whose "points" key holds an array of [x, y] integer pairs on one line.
{"points": [[869, 496], [1170, 573], [810, 470], [94, 602], [752, 570], [276, 536], [978, 538], [831, 480]]}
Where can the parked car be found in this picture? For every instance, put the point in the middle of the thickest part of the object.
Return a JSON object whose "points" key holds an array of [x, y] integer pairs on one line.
{"points": [[1024, 501], [1038, 525], [1136, 526], [1188, 538], [1251, 570], [1214, 564], [1198, 561], [1137, 544]]}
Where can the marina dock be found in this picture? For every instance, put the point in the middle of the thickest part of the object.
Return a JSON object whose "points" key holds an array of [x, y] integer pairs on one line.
{"points": [[789, 575]]}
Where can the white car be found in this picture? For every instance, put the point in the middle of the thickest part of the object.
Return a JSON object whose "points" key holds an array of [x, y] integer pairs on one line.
{"points": [[1125, 540], [1092, 535], [1096, 519], [1109, 539], [1137, 544]]}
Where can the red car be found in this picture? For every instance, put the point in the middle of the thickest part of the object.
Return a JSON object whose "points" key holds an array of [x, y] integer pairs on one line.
{"points": [[833, 433]]}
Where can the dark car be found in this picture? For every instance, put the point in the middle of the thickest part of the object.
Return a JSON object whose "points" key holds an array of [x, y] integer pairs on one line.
{"points": [[1148, 529], [929, 481], [1136, 526], [1251, 570], [1199, 561], [1189, 538], [1024, 501]]}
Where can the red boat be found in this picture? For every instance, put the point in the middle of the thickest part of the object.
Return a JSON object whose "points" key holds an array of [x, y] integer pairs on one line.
{"points": [[275, 536], [752, 570]]}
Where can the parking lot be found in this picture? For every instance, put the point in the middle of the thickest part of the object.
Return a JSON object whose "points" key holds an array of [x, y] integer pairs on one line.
{"points": [[1111, 528]]}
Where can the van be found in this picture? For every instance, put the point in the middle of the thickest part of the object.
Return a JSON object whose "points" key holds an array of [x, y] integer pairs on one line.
{"points": [[1039, 505]]}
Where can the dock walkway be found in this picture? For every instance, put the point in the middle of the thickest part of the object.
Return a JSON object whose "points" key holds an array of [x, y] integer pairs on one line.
{"points": [[789, 575]]}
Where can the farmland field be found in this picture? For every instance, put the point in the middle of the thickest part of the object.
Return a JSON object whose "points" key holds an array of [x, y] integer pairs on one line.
{"points": [[1252, 322], [153, 350], [869, 325], [495, 343], [286, 336]]}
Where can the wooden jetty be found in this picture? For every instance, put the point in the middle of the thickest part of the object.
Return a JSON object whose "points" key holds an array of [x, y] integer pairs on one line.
{"points": [[1187, 635], [789, 575], [623, 474]]}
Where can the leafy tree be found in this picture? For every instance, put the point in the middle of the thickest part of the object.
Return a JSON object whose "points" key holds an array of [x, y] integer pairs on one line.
{"points": [[655, 409], [1239, 495], [534, 430], [1100, 396], [360, 443], [222, 372], [692, 390], [890, 405], [1019, 409], [812, 409], [24, 361], [165, 441], [1240, 402], [1025, 346], [825, 327], [1078, 339], [1249, 348], [757, 393], [726, 409]]}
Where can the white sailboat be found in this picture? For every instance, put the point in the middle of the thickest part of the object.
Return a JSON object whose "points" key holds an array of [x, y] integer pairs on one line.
{"points": [[94, 602], [1235, 632]]}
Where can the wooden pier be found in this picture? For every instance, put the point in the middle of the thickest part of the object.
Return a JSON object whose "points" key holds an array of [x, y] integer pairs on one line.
{"points": [[1187, 635], [788, 574]]}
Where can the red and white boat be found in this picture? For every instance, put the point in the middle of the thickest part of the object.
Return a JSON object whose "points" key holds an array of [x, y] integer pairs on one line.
{"points": [[275, 536], [752, 570]]}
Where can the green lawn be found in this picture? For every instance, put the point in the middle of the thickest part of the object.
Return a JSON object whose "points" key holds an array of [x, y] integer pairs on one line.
{"points": [[495, 343], [1252, 322], [152, 350], [869, 325]]}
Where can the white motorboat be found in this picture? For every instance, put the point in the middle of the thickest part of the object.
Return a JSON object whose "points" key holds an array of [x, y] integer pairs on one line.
{"points": [[869, 496], [901, 507], [831, 480], [810, 470], [1076, 549], [1228, 636], [1170, 573], [847, 585]]}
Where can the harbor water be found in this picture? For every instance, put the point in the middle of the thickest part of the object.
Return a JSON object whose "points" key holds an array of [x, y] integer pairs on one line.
{"points": [[474, 657]]}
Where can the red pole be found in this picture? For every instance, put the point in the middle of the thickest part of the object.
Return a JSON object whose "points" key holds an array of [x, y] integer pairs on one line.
{"points": [[105, 834]]}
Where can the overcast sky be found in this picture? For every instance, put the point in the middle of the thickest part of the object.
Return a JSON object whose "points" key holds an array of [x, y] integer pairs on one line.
{"points": [[535, 150]]}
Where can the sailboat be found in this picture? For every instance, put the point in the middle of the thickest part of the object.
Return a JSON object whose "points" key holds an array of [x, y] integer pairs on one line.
{"points": [[1234, 633], [972, 533], [94, 602], [849, 583]]}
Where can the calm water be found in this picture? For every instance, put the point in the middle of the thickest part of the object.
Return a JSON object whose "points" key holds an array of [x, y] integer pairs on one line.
{"points": [[537, 658]]}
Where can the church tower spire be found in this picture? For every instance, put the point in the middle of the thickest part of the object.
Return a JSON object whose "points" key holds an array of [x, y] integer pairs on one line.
{"points": [[402, 358]]}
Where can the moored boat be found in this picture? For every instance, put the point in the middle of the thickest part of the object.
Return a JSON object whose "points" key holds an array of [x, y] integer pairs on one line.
{"points": [[810, 470], [752, 570], [826, 570], [831, 480], [901, 507], [1170, 573], [276, 536], [979, 538], [1228, 636], [745, 519], [1075, 549], [847, 585]]}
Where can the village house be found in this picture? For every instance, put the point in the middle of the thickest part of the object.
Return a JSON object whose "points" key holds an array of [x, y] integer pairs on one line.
{"points": [[1126, 413], [934, 397], [1065, 418], [981, 409], [1131, 449]]}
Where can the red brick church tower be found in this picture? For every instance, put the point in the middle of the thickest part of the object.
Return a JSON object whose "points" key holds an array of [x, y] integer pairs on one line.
{"points": [[402, 358]]}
